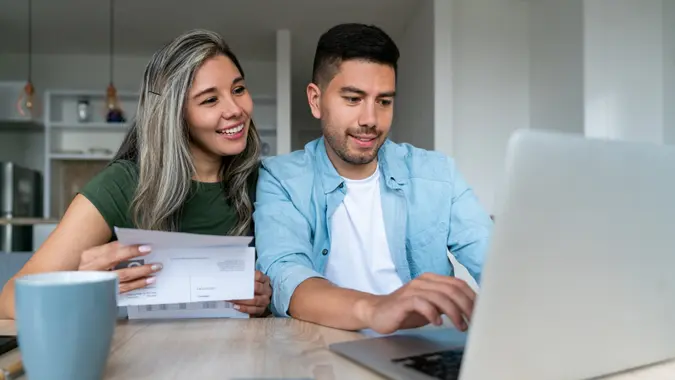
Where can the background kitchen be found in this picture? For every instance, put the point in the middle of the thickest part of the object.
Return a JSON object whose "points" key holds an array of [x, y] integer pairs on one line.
{"points": [[84, 61], [471, 72]]}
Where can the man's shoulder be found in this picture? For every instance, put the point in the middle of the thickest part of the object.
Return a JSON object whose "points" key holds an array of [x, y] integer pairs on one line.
{"points": [[420, 163], [292, 165]]}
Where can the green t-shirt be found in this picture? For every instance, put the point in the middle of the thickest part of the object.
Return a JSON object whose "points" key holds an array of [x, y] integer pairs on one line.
{"points": [[205, 212]]}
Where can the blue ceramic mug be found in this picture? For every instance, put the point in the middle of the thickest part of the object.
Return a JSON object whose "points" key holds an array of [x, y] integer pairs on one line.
{"points": [[65, 323]]}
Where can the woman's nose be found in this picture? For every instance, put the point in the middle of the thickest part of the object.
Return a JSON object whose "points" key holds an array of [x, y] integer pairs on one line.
{"points": [[232, 110]]}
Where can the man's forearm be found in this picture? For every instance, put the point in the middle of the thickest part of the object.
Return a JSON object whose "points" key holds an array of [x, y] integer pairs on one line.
{"points": [[317, 300]]}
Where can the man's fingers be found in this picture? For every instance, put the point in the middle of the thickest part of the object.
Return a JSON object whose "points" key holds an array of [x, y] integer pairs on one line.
{"points": [[136, 284], [423, 307], [446, 305], [452, 281], [451, 296], [133, 273]]}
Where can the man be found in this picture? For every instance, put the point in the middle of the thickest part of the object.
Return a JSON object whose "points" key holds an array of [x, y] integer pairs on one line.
{"points": [[354, 230]]}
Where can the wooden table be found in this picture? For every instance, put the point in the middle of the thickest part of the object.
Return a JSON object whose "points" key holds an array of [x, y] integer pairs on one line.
{"points": [[270, 348]]}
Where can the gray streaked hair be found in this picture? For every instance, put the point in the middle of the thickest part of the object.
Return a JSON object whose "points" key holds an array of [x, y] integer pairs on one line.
{"points": [[158, 141]]}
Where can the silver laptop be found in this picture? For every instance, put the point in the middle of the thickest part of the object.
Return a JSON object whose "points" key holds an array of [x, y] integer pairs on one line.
{"points": [[580, 277]]}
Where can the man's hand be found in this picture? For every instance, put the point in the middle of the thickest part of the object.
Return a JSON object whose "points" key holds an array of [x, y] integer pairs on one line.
{"points": [[263, 292], [420, 302]]}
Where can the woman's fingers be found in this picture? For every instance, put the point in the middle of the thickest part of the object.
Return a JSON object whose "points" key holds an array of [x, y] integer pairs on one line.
{"points": [[133, 273], [255, 306], [136, 284], [251, 310], [107, 256]]}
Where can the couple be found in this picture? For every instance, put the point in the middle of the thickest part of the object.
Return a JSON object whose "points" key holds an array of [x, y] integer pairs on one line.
{"points": [[353, 232]]}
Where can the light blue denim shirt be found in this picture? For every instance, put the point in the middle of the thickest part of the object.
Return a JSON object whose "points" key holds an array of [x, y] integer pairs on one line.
{"points": [[426, 204]]}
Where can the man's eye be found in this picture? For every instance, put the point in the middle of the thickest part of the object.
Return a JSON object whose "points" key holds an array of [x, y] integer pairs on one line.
{"points": [[350, 99], [385, 102]]}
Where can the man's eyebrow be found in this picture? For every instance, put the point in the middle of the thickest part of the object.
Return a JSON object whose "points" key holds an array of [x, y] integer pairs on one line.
{"points": [[354, 90]]}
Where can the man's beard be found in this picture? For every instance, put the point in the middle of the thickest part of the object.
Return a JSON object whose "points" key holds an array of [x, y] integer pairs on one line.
{"points": [[340, 145]]}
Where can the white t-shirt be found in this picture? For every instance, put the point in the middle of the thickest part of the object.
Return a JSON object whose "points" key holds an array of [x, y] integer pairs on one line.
{"points": [[360, 258]]}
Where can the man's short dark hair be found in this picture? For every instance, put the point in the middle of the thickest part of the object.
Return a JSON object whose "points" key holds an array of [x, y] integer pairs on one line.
{"points": [[351, 41]]}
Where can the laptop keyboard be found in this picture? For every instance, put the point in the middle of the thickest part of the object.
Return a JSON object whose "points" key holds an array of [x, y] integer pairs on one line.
{"points": [[442, 365]]}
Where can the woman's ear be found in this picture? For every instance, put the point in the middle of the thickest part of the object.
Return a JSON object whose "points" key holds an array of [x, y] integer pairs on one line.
{"points": [[314, 100]]}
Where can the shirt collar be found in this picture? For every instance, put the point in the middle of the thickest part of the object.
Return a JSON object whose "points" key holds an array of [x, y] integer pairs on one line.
{"points": [[391, 164]]}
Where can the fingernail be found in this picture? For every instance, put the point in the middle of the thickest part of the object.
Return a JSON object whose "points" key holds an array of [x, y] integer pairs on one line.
{"points": [[144, 249], [156, 267], [236, 307], [150, 280]]}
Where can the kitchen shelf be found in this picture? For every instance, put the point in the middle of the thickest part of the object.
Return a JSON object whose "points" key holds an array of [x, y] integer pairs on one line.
{"points": [[80, 157], [93, 126]]}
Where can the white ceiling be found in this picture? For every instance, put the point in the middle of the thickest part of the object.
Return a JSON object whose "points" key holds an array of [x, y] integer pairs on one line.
{"points": [[142, 26]]}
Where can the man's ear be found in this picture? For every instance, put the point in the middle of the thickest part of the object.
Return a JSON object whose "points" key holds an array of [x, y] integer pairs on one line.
{"points": [[314, 100]]}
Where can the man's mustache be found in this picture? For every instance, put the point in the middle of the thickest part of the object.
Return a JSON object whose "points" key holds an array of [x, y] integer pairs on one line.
{"points": [[363, 131]]}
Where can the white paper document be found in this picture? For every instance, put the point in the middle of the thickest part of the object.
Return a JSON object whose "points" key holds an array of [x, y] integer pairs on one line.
{"points": [[208, 309], [196, 268]]}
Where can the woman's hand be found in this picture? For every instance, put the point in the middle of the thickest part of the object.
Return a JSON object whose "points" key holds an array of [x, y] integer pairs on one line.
{"points": [[106, 257], [258, 305]]}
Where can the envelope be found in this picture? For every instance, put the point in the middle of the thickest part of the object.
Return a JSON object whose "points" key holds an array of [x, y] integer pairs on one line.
{"points": [[196, 268]]}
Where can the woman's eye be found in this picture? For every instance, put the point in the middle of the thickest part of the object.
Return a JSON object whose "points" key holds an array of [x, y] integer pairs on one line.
{"points": [[210, 100], [239, 90]]}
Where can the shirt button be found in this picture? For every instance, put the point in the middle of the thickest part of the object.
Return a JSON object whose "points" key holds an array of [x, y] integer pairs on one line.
{"points": [[324, 252], [341, 185]]}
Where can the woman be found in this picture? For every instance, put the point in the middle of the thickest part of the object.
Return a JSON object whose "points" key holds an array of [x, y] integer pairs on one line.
{"points": [[188, 164]]}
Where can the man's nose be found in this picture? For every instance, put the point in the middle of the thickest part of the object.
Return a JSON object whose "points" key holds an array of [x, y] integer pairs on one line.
{"points": [[368, 117]]}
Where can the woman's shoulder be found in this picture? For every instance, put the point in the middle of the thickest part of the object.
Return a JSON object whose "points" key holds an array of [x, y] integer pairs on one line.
{"points": [[120, 170], [112, 190]]}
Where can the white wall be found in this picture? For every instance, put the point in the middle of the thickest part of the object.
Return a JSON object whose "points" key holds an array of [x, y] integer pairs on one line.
{"points": [[490, 60], [623, 69], [557, 65], [304, 127], [669, 70], [90, 72], [443, 77], [414, 105], [283, 92]]}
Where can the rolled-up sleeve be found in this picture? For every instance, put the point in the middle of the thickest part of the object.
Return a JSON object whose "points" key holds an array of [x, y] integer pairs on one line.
{"points": [[283, 241], [470, 226]]}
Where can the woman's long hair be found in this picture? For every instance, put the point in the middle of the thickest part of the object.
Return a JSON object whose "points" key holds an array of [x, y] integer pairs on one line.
{"points": [[158, 141]]}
